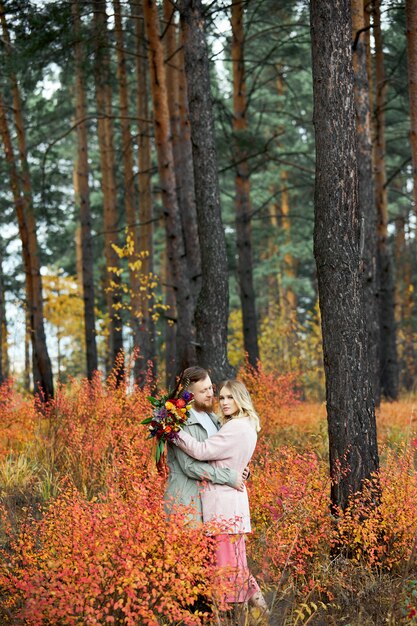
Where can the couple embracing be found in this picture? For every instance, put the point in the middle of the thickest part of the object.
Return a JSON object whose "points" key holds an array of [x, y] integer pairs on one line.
{"points": [[207, 471]]}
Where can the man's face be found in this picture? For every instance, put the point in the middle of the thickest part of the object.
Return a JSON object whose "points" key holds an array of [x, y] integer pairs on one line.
{"points": [[203, 394]]}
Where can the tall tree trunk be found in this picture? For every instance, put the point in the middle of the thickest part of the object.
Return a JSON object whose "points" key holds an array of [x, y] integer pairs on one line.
{"points": [[185, 333], [3, 329], [133, 259], [367, 208], [183, 158], [182, 153], [186, 180], [404, 305], [350, 407], [82, 197], [243, 206], [288, 295], [26, 372], [171, 72], [23, 200], [147, 356], [411, 25], [213, 303], [271, 253], [108, 180], [388, 347]]}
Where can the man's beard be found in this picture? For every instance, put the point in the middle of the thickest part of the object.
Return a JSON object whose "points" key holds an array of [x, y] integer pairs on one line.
{"points": [[206, 406]]}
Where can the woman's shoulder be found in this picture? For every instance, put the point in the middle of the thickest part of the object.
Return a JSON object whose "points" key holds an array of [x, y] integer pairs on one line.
{"points": [[238, 423]]}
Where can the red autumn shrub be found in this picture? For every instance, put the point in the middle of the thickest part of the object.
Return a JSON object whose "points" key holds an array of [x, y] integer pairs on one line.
{"points": [[379, 526], [18, 419], [119, 561], [289, 498], [272, 394], [91, 426]]}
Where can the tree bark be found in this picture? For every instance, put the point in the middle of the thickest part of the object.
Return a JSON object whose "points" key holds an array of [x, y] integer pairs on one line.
{"points": [[289, 298], [213, 303], [147, 355], [243, 207], [350, 407], [82, 197], [22, 195], [171, 72], [134, 262], [404, 304], [388, 347], [411, 26], [3, 328], [185, 333], [367, 208], [183, 157], [108, 181]]}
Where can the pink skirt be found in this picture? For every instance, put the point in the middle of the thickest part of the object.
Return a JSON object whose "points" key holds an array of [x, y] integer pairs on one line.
{"points": [[237, 583]]}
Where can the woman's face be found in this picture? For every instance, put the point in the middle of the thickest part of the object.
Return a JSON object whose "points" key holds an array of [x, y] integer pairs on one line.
{"points": [[227, 403]]}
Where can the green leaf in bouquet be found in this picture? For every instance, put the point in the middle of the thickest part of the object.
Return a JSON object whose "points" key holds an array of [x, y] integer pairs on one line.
{"points": [[159, 450]]}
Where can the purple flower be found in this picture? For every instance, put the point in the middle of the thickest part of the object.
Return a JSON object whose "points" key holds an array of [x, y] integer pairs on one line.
{"points": [[160, 414], [187, 395]]}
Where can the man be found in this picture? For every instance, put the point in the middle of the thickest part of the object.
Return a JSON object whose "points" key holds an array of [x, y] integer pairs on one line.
{"points": [[186, 474]]}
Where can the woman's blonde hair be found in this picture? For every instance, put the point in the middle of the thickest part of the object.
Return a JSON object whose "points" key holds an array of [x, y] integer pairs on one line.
{"points": [[243, 402]]}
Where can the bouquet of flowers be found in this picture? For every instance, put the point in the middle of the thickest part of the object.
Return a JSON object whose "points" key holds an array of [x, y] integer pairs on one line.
{"points": [[170, 412]]}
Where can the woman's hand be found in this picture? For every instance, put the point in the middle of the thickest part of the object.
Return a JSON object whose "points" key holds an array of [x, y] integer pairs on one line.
{"points": [[240, 483]]}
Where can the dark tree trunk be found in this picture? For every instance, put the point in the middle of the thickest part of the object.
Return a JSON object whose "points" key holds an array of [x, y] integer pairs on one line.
{"points": [[404, 304], [147, 356], [411, 26], [242, 188], [388, 338], [82, 194], [3, 330], [108, 183], [213, 303], [186, 182], [129, 190], [180, 128], [185, 333], [367, 208], [350, 407], [21, 188]]}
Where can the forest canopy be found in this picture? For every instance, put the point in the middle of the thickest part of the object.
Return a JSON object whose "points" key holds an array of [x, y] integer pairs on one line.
{"points": [[89, 141]]}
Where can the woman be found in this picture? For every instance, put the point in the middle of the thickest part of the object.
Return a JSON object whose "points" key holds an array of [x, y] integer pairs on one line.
{"points": [[222, 505]]}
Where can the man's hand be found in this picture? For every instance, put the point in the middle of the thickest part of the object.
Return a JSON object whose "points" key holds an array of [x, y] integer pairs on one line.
{"points": [[246, 473]]}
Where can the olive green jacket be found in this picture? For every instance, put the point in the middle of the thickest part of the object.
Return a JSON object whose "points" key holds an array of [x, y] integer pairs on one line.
{"points": [[187, 475]]}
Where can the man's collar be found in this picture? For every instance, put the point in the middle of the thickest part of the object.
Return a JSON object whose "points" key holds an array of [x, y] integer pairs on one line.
{"points": [[193, 417]]}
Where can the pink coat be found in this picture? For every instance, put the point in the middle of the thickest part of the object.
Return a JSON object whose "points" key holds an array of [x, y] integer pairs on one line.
{"points": [[232, 447]]}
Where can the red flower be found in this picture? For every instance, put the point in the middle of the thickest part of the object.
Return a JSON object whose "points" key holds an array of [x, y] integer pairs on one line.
{"points": [[180, 403]]}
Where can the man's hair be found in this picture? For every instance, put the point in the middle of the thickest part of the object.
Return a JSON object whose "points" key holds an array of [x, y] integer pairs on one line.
{"points": [[194, 374]]}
